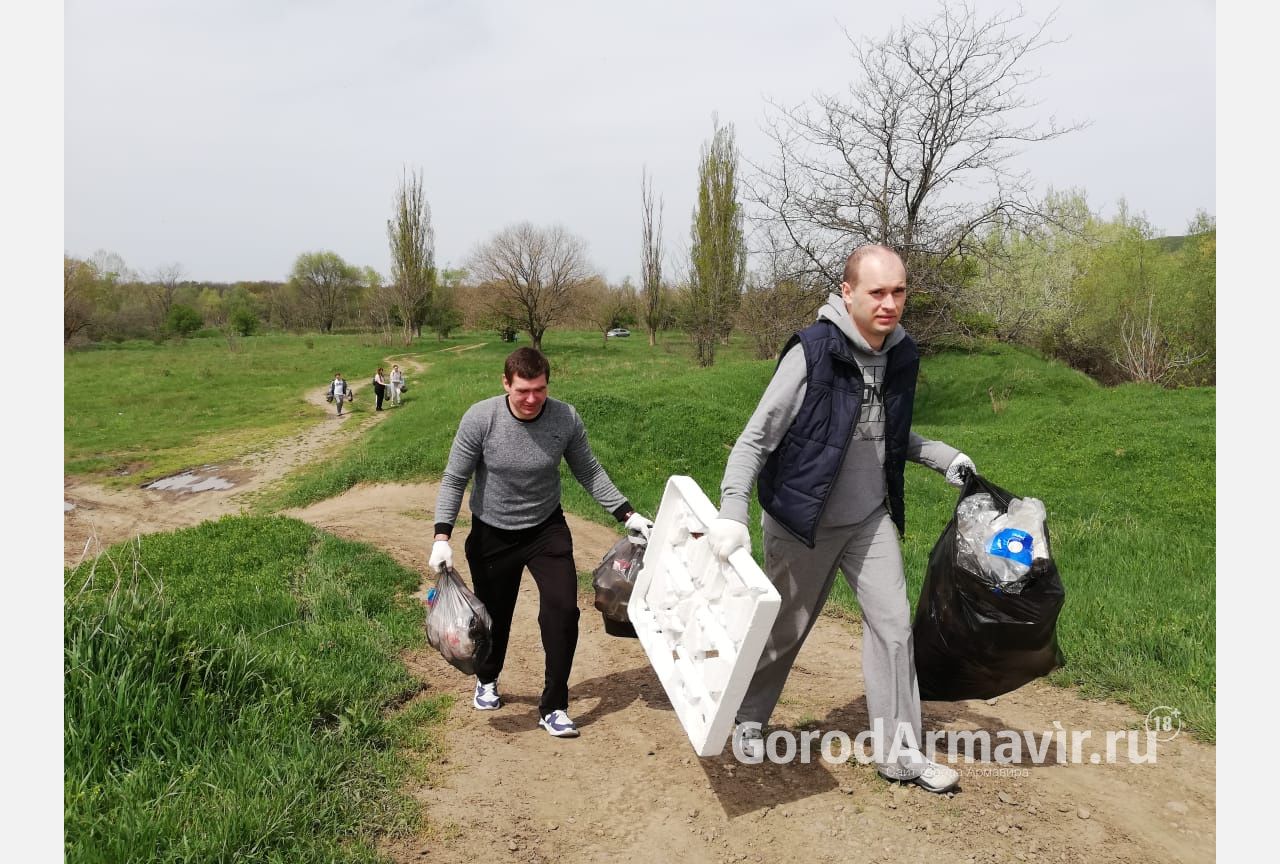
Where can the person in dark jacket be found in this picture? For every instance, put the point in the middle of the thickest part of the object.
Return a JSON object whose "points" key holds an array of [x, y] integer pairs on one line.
{"points": [[379, 388], [828, 442]]}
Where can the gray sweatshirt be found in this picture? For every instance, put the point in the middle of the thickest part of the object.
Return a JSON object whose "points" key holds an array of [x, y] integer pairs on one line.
{"points": [[516, 464], [859, 488]]}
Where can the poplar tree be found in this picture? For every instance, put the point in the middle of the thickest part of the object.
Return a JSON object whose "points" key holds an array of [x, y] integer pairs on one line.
{"points": [[413, 255], [718, 256], [651, 288]]}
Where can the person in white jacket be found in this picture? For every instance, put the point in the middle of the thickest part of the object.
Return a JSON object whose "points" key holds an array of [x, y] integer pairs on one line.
{"points": [[338, 390], [397, 384]]}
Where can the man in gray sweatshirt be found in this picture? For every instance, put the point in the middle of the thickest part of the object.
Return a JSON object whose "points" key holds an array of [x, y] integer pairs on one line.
{"points": [[513, 445], [828, 442]]}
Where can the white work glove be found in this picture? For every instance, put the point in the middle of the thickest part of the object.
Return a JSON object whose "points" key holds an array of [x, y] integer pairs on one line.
{"points": [[441, 556], [726, 535], [638, 524], [959, 468]]}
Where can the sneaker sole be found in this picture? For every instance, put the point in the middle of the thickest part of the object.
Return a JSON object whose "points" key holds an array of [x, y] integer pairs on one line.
{"points": [[476, 705], [563, 733], [936, 788], [924, 784]]}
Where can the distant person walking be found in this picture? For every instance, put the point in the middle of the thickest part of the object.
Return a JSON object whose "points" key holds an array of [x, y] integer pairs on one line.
{"points": [[397, 384], [338, 390], [379, 388]]}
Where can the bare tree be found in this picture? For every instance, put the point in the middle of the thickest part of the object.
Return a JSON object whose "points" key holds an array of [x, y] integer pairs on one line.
{"points": [[918, 154], [652, 291], [609, 306], [779, 300], [164, 287], [413, 255], [718, 255], [533, 275], [1145, 353], [380, 299], [327, 284]]}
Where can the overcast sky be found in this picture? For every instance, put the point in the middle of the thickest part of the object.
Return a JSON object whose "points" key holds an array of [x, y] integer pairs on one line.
{"points": [[229, 137]]}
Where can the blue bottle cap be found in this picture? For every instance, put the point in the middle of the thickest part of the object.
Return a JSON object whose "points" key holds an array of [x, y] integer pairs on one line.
{"points": [[1012, 544]]}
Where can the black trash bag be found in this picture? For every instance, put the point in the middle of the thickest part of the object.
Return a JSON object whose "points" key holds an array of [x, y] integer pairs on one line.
{"points": [[613, 580], [976, 637], [458, 625]]}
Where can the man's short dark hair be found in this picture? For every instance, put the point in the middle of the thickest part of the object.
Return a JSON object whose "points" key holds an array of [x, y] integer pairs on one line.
{"points": [[855, 258], [527, 363]]}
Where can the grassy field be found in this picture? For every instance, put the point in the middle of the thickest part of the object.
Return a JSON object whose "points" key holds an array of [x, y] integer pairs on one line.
{"points": [[1127, 475], [152, 409], [224, 694]]}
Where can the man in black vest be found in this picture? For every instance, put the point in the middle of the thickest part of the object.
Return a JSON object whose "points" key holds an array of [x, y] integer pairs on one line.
{"points": [[828, 442]]}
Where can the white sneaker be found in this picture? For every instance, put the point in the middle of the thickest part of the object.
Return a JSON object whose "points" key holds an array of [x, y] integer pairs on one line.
{"points": [[937, 778], [486, 698], [558, 725], [925, 773]]}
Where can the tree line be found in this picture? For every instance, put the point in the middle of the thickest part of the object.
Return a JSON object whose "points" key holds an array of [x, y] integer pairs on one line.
{"points": [[918, 153]]}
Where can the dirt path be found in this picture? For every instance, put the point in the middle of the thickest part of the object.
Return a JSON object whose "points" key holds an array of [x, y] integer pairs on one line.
{"points": [[631, 788], [95, 518]]}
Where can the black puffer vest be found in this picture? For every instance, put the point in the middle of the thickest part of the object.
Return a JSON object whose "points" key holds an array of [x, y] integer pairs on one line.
{"points": [[796, 479]]}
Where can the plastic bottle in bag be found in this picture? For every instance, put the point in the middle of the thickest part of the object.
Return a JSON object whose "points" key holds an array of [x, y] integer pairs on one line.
{"points": [[457, 624], [1000, 545]]}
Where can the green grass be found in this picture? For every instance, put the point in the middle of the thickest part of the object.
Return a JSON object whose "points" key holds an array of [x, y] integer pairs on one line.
{"points": [[142, 411], [226, 697]]}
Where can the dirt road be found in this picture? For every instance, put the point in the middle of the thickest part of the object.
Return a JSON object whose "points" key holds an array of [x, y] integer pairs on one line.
{"points": [[631, 788]]}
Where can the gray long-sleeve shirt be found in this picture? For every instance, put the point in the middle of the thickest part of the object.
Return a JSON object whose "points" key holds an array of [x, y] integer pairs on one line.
{"points": [[860, 486], [516, 464]]}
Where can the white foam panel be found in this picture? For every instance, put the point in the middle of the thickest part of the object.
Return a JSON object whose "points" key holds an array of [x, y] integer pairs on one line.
{"points": [[702, 622]]}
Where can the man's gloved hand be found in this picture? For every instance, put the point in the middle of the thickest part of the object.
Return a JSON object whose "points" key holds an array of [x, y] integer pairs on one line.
{"points": [[638, 524], [441, 555], [959, 469], [726, 535]]}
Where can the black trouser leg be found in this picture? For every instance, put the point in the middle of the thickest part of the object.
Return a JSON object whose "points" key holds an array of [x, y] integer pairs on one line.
{"points": [[551, 565], [497, 559], [496, 582]]}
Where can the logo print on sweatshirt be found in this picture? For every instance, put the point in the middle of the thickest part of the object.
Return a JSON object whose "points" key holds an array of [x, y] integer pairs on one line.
{"points": [[871, 418]]}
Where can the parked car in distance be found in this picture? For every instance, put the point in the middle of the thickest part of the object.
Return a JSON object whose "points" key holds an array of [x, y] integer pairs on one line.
{"points": [[619, 331]]}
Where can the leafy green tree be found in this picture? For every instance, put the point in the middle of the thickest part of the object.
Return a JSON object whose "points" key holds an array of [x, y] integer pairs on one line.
{"points": [[80, 295], [1144, 306], [183, 320], [444, 316], [1026, 272], [1198, 297], [211, 307], [121, 308], [244, 321], [327, 285], [718, 256]]}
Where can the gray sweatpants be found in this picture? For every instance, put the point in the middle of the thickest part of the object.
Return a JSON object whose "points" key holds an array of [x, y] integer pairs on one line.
{"points": [[871, 560]]}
